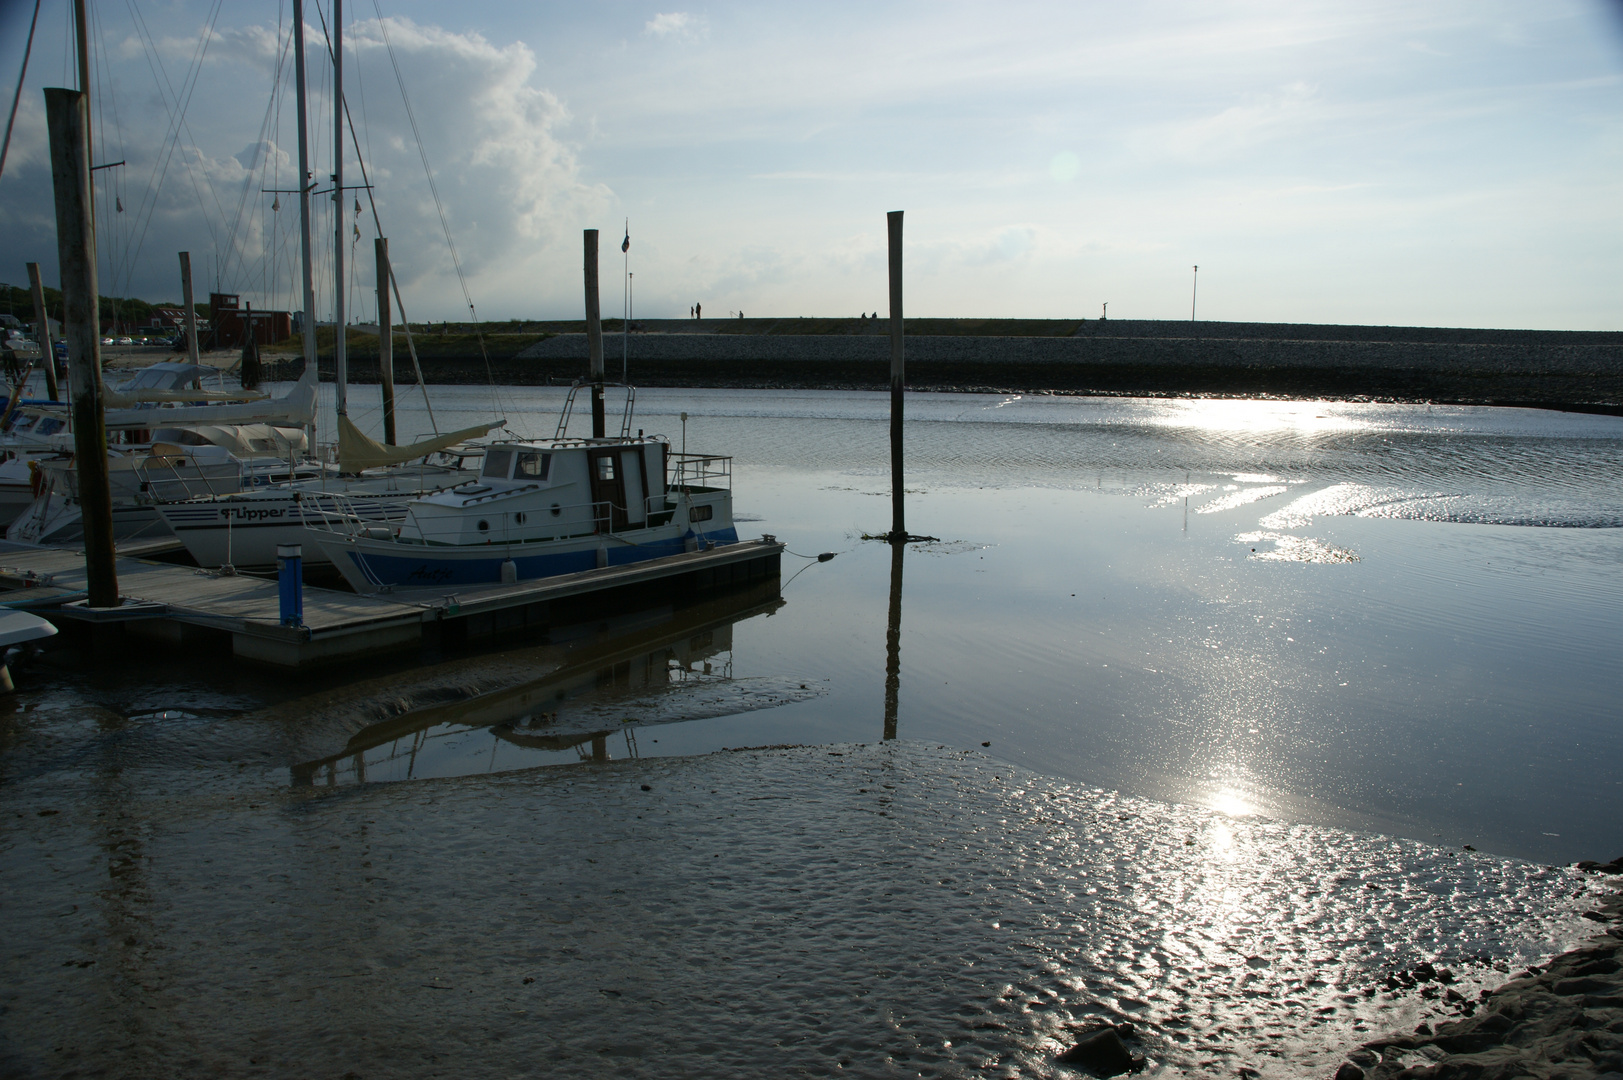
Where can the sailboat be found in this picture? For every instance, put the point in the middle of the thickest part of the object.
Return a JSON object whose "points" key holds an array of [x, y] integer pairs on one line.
{"points": [[375, 482]]}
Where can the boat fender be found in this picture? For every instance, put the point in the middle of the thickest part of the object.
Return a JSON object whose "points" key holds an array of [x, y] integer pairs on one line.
{"points": [[602, 556], [509, 572]]}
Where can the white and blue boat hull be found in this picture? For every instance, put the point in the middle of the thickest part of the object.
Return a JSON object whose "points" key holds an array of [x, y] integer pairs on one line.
{"points": [[374, 565]]}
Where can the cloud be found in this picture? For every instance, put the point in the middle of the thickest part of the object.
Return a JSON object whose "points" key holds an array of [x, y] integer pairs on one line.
{"points": [[678, 24], [509, 183]]}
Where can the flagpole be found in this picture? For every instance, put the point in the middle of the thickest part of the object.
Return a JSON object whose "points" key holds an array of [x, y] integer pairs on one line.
{"points": [[625, 319]]}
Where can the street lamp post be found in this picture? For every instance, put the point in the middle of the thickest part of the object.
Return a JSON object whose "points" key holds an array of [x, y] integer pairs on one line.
{"points": [[1193, 291]]}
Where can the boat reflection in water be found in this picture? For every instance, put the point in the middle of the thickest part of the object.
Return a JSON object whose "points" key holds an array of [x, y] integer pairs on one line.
{"points": [[667, 666]]}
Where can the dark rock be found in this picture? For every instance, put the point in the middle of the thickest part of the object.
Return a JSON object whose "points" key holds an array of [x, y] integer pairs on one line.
{"points": [[1586, 985], [1125, 1030], [1424, 972], [1101, 1052], [1364, 1057], [1422, 1028], [1349, 1071], [645, 787]]}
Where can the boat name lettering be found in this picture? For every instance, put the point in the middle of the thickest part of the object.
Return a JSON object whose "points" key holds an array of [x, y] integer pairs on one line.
{"points": [[241, 514]]}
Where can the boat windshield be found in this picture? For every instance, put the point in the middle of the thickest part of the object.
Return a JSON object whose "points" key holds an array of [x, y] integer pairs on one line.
{"points": [[496, 463], [532, 465]]}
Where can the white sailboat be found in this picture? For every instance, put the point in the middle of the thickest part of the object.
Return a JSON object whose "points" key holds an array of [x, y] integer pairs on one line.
{"points": [[375, 482]]}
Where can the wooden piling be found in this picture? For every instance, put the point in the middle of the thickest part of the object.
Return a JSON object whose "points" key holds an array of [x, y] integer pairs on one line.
{"points": [[594, 333], [43, 333], [67, 115], [385, 339], [248, 369], [898, 525], [192, 346]]}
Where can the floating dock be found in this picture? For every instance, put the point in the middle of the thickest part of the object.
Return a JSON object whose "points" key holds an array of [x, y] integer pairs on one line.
{"points": [[167, 602]]}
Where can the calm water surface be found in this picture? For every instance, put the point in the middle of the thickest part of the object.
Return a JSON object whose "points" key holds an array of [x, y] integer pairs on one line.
{"points": [[1388, 617], [1251, 675]]}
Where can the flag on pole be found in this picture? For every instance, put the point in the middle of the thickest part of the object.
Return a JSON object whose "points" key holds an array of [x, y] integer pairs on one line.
{"points": [[625, 245]]}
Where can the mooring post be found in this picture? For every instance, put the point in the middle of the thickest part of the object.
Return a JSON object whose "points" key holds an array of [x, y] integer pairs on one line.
{"points": [[898, 527], [290, 583], [43, 333], [67, 115], [192, 347], [594, 333], [249, 370], [385, 339]]}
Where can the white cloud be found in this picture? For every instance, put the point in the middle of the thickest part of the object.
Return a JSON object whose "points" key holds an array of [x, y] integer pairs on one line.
{"points": [[672, 24]]}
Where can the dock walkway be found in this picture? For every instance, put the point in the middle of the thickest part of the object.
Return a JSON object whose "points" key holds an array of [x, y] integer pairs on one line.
{"points": [[165, 601]]}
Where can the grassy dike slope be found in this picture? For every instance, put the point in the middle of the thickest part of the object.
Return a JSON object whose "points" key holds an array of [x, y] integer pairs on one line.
{"points": [[1563, 369]]}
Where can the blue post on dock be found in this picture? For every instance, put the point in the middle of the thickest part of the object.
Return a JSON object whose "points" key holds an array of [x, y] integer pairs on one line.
{"points": [[290, 581]]}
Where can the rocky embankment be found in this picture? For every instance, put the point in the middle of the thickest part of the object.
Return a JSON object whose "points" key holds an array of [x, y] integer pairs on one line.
{"points": [[1565, 369], [1562, 1021]]}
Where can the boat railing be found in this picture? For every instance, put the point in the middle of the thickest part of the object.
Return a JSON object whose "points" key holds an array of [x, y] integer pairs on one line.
{"points": [[701, 471]]}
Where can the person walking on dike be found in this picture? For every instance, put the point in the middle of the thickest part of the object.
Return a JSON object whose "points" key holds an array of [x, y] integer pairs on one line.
{"points": [[698, 311]]}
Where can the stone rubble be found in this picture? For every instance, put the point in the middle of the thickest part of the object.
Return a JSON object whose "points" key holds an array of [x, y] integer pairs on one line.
{"points": [[1564, 1022]]}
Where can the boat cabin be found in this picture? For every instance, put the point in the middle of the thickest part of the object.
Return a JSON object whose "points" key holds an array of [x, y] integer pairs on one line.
{"points": [[552, 489]]}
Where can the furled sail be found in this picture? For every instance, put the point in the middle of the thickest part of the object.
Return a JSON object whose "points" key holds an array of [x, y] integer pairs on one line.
{"points": [[357, 450], [296, 408]]}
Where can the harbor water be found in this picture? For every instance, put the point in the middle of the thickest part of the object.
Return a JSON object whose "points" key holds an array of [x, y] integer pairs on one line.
{"points": [[1202, 715]]}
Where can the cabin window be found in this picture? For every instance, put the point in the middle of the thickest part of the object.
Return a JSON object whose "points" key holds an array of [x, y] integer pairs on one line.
{"points": [[496, 463], [484, 526], [531, 465], [605, 467], [701, 513]]}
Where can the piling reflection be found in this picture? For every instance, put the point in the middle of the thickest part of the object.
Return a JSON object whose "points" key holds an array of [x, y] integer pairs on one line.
{"points": [[593, 698], [893, 642]]}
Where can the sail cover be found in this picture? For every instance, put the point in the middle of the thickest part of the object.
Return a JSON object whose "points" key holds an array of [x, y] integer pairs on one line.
{"points": [[296, 408], [357, 450]]}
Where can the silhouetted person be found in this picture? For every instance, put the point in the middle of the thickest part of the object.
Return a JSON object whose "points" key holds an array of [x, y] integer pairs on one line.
{"points": [[698, 311]]}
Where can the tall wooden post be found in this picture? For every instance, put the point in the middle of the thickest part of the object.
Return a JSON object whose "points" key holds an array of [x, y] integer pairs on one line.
{"points": [[594, 333], [43, 334], [192, 346], [898, 527], [385, 338], [67, 114], [249, 369]]}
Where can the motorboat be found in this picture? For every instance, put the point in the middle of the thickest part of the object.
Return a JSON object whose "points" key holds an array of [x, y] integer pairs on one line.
{"points": [[538, 509]]}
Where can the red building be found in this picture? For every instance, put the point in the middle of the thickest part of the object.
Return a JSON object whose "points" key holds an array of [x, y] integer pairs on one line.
{"points": [[230, 323]]}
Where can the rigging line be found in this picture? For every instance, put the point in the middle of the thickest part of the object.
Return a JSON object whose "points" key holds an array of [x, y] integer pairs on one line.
{"points": [[394, 281], [5, 147], [233, 247], [439, 205], [117, 253], [177, 122], [160, 79]]}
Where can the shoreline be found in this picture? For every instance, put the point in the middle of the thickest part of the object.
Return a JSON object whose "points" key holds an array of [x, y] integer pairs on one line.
{"points": [[1564, 1019]]}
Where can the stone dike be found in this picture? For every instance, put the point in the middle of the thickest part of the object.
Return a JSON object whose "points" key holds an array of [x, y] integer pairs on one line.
{"points": [[1559, 369]]}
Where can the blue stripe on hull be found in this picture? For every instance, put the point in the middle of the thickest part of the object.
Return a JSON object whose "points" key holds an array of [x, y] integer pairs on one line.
{"points": [[434, 570]]}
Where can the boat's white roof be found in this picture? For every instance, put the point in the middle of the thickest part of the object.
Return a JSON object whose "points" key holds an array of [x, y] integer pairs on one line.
{"points": [[16, 626]]}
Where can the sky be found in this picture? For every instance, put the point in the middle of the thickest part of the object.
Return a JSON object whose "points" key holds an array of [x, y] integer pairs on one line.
{"points": [[1443, 164]]}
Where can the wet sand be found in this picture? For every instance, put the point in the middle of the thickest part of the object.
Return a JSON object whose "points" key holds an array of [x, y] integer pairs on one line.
{"points": [[897, 909]]}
